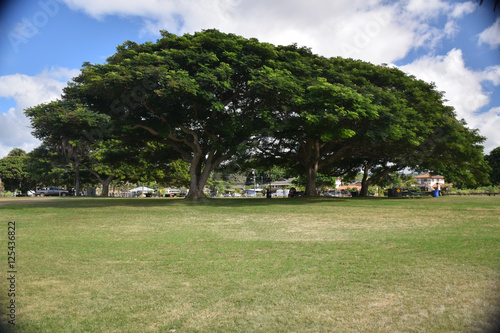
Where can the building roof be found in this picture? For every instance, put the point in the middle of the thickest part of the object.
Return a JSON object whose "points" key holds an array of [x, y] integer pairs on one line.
{"points": [[344, 187], [141, 189], [429, 176]]}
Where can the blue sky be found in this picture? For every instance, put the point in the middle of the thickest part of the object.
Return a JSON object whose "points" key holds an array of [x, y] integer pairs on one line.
{"points": [[66, 40], [455, 44]]}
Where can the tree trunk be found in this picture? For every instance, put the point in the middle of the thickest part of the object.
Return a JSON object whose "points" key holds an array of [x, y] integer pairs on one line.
{"points": [[196, 190], [310, 155], [312, 171], [199, 174], [365, 183], [105, 186], [77, 176]]}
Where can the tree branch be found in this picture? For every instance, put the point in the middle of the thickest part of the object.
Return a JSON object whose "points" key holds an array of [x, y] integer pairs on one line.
{"points": [[149, 129]]}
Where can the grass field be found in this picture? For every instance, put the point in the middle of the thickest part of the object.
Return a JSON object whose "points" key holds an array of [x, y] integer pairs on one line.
{"points": [[253, 265]]}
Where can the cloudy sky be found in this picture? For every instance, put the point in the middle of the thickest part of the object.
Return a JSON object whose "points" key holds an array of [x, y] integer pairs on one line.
{"points": [[455, 44]]}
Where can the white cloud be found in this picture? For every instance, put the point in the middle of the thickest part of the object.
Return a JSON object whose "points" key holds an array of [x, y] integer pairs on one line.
{"points": [[488, 124], [454, 12], [100, 8], [427, 9], [14, 132], [451, 28], [492, 74], [159, 14], [462, 89], [377, 31], [27, 91], [463, 8], [491, 36], [431, 9]]}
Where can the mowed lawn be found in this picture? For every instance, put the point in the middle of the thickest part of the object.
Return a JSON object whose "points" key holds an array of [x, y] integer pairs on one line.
{"points": [[254, 265]]}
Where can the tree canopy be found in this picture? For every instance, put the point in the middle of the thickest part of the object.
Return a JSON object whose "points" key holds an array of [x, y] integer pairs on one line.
{"points": [[191, 92], [65, 125], [345, 116], [210, 97], [13, 170], [493, 159]]}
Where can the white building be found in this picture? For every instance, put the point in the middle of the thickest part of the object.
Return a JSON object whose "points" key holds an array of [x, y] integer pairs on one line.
{"points": [[428, 182]]}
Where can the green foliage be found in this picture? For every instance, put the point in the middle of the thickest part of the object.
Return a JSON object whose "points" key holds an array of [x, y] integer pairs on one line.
{"points": [[178, 174], [67, 127], [323, 181], [48, 168], [393, 179], [13, 171], [349, 115], [414, 129], [219, 187], [16, 152], [210, 99], [475, 191], [66, 120], [189, 91], [493, 160]]}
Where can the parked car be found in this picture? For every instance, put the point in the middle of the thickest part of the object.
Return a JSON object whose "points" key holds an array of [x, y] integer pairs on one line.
{"points": [[51, 191]]}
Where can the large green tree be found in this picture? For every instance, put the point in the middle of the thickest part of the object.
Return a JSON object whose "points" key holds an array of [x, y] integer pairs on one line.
{"points": [[191, 92], [493, 159], [66, 127], [415, 129], [85, 139], [13, 170], [47, 167], [212, 96]]}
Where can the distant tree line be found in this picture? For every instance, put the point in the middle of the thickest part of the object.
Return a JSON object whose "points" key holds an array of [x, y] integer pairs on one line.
{"points": [[185, 106]]}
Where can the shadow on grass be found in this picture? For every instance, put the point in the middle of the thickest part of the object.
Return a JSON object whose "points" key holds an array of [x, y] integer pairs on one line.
{"points": [[162, 202], [79, 202], [261, 203]]}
